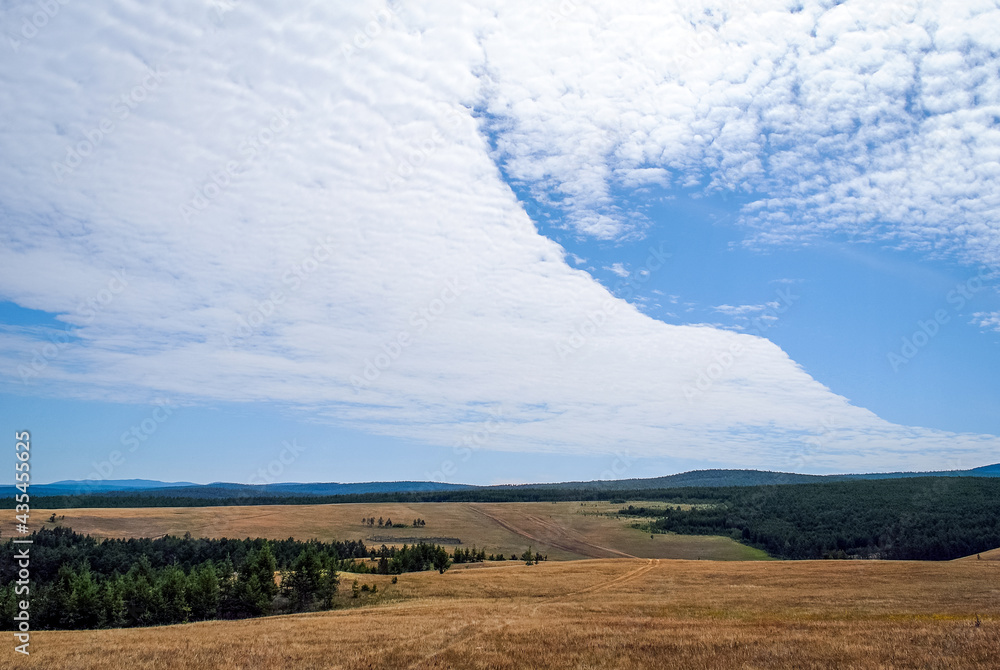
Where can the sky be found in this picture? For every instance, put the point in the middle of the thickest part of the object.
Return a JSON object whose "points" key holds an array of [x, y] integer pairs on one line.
{"points": [[499, 242]]}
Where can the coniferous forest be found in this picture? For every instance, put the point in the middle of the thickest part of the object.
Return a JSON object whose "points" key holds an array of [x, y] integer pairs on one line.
{"points": [[939, 518], [80, 582]]}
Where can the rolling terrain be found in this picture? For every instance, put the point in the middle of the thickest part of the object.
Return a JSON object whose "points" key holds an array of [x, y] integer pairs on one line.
{"points": [[562, 530], [611, 613], [716, 477]]}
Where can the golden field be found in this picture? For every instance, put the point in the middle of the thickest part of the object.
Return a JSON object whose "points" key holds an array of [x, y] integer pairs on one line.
{"points": [[608, 613], [563, 530]]}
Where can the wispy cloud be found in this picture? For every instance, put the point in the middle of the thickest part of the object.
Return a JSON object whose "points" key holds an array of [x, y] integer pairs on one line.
{"points": [[987, 320], [618, 269], [743, 310], [833, 137]]}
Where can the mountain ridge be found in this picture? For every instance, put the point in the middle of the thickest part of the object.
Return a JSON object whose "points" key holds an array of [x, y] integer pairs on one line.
{"points": [[707, 477]]}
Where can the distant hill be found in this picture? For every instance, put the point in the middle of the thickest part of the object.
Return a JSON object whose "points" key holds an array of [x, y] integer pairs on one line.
{"points": [[705, 478], [751, 478], [692, 478], [230, 490], [987, 470], [75, 487]]}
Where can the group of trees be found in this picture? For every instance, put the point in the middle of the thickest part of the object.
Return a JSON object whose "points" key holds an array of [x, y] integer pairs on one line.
{"points": [[539, 493], [422, 556], [80, 582], [388, 523], [469, 555], [80, 597], [492, 494], [54, 547], [410, 558], [927, 518]]}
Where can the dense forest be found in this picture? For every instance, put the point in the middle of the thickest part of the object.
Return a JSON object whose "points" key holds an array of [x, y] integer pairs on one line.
{"points": [[77, 581], [492, 494], [914, 519], [873, 488]]}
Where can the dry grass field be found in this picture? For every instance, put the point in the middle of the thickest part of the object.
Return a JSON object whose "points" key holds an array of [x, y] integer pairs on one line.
{"points": [[991, 555], [610, 613], [563, 531]]}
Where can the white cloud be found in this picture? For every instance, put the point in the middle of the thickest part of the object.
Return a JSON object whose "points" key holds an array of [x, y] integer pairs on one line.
{"points": [[987, 320], [372, 234], [879, 121], [744, 310], [618, 269]]}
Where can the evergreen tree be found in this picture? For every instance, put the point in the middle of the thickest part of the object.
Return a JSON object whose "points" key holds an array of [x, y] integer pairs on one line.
{"points": [[113, 602], [203, 592], [328, 586], [305, 579], [143, 602], [226, 575], [173, 586], [85, 609], [254, 589], [441, 560]]}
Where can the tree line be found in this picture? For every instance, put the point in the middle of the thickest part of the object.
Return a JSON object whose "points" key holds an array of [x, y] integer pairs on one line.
{"points": [[77, 596], [388, 523], [80, 582], [927, 518], [512, 493]]}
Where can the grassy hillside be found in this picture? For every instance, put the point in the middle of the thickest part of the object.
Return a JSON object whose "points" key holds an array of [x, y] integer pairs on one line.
{"points": [[563, 531], [622, 614]]}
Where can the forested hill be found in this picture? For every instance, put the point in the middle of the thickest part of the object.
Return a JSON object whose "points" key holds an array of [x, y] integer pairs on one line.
{"points": [[755, 478], [224, 490], [129, 487], [927, 518]]}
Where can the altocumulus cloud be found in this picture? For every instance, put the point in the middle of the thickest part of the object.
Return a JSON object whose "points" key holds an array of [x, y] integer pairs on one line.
{"points": [[402, 104]]}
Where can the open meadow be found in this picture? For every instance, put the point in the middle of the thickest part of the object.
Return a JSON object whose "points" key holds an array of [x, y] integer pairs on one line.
{"points": [[561, 530], [607, 613]]}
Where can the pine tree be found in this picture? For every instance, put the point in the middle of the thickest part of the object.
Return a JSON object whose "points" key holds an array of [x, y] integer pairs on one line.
{"points": [[173, 587], [113, 602], [204, 592], [441, 561], [306, 577], [329, 586], [143, 601], [255, 589]]}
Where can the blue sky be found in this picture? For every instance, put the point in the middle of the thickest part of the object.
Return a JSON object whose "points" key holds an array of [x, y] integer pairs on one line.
{"points": [[853, 305], [500, 244]]}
